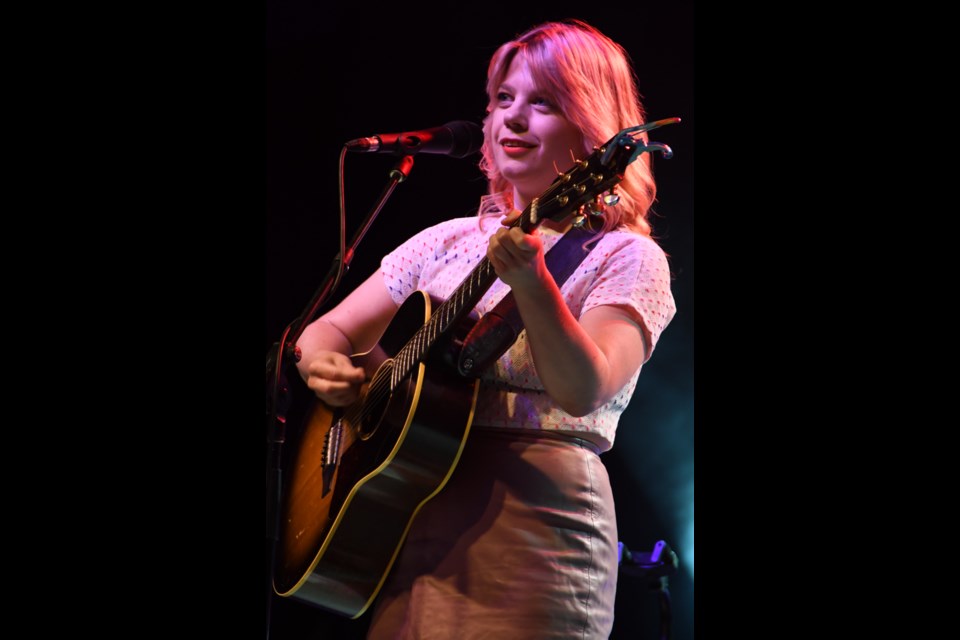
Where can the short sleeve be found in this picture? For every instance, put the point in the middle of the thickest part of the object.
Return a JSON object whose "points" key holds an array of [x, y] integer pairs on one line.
{"points": [[402, 267], [634, 273], [434, 260]]}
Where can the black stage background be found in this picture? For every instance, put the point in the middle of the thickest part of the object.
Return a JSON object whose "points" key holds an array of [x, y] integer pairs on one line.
{"points": [[334, 73]]}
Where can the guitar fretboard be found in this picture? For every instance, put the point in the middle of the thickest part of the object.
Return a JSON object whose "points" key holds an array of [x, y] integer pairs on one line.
{"points": [[446, 316]]}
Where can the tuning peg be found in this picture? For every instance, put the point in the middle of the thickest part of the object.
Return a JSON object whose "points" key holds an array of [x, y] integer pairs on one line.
{"points": [[583, 164], [595, 207], [578, 220], [611, 198], [591, 208]]}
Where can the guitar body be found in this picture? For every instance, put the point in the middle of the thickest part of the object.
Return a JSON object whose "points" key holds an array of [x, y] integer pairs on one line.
{"points": [[342, 524]]}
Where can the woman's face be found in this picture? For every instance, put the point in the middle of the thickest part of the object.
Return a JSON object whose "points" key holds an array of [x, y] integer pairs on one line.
{"points": [[531, 140]]}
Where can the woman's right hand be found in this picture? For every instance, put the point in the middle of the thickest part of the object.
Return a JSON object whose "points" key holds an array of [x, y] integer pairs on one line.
{"points": [[334, 379]]}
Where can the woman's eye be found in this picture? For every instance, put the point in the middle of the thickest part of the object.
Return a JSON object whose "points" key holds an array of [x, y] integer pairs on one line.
{"points": [[503, 97]]}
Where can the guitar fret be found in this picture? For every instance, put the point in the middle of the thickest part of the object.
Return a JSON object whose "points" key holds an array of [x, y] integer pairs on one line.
{"points": [[405, 368]]}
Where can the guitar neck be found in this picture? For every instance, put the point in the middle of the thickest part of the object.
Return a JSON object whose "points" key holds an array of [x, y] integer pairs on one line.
{"points": [[446, 316], [454, 308]]}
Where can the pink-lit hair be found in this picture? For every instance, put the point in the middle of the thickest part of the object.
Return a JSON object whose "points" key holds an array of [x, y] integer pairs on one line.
{"points": [[590, 79]]}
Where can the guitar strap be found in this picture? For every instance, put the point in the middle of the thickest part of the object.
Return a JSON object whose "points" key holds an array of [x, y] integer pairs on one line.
{"points": [[497, 330]]}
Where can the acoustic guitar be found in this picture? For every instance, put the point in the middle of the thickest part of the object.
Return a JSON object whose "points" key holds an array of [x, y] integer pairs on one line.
{"points": [[357, 476]]}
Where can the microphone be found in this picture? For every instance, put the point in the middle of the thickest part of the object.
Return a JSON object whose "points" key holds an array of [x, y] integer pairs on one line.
{"points": [[459, 139]]}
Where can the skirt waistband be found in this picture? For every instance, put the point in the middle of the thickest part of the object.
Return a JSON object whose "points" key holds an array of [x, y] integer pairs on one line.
{"points": [[535, 434]]}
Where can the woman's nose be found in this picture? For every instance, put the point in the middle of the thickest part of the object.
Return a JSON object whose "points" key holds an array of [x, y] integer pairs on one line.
{"points": [[515, 118]]}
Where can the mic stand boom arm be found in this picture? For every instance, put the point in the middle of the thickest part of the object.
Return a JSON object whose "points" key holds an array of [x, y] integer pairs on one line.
{"points": [[397, 175], [278, 392]]}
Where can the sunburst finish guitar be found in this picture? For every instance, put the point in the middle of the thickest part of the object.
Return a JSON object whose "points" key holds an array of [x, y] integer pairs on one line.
{"points": [[357, 477]]}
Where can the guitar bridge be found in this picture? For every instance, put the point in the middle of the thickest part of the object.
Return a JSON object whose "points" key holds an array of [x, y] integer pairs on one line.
{"points": [[331, 446]]}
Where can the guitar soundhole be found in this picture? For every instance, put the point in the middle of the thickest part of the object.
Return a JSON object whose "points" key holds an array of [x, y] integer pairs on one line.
{"points": [[375, 402]]}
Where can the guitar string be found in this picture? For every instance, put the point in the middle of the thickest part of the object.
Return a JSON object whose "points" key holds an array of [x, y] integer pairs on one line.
{"points": [[378, 391]]}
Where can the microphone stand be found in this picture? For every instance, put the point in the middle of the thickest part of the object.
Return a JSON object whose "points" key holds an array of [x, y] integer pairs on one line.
{"points": [[278, 391]]}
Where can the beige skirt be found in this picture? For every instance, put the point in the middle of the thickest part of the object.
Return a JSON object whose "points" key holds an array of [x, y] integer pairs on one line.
{"points": [[521, 543]]}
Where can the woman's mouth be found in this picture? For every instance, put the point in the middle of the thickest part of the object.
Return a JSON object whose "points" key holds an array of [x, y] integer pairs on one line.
{"points": [[513, 147]]}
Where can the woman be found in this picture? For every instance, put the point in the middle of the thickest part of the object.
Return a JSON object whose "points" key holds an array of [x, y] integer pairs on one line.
{"points": [[522, 540]]}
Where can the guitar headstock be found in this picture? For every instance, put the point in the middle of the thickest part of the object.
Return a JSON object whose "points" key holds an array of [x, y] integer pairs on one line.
{"points": [[585, 182]]}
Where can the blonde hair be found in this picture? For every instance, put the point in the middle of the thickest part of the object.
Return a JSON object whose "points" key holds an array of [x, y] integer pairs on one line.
{"points": [[590, 79]]}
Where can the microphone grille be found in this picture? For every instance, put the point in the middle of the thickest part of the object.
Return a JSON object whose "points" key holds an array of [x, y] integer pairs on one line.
{"points": [[467, 138]]}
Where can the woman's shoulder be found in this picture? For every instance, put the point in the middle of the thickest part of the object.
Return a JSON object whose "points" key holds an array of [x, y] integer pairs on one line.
{"points": [[619, 240], [454, 226], [446, 235]]}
